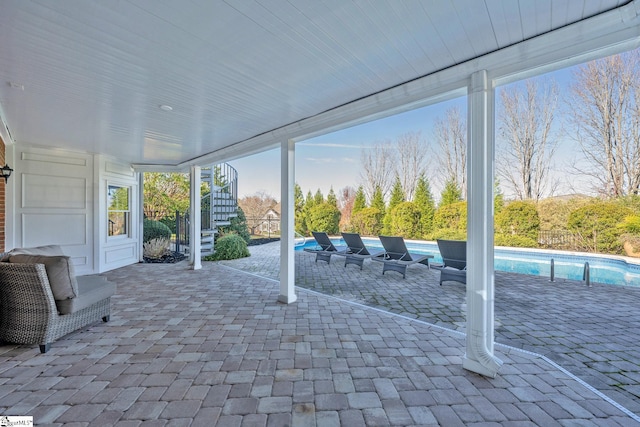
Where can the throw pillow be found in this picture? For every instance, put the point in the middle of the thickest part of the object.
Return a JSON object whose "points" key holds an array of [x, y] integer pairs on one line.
{"points": [[60, 271]]}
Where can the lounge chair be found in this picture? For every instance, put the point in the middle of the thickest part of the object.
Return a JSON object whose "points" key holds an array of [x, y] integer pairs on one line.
{"points": [[396, 256], [356, 252], [454, 261], [324, 247]]}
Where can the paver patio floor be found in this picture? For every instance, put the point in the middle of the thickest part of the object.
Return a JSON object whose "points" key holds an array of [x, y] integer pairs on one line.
{"points": [[213, 347], [594, 332]]}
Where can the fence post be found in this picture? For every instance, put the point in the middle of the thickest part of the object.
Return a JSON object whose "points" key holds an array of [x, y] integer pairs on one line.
{"points": [[551, 279]]}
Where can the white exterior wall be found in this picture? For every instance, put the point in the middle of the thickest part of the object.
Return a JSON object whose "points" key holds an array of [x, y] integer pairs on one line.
{"points": [[59, 197]]}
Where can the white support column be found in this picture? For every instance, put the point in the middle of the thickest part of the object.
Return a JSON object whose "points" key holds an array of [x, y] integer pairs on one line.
{"points": [[479, 357], [287, 235], [140, 208], [195, 219]]}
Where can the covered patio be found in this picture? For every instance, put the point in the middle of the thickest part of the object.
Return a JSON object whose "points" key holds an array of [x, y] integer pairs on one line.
{"points": [[213, 347], [96, 93]]}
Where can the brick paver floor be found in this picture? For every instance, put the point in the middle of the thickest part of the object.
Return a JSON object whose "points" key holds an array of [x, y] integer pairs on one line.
{"points": [[213, 347], [594, 332]]}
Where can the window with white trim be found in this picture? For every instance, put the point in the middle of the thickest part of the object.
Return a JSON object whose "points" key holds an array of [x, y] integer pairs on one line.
{"points": [[118, 212]]}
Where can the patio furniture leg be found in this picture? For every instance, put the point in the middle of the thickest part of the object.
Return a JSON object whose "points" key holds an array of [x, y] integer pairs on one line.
{"points": [[323, 257], [353, 260], [400, 268]]}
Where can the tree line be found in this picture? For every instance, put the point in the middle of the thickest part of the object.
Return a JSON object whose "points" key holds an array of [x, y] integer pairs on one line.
{"points": [[601, 116]]}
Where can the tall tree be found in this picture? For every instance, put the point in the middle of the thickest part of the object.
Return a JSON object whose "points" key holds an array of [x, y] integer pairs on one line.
{"points": [[377, 168], [451, 193], [397, 194], [298, 203], [360, 201], [425, 203], [309, 201], [318, 197], [411, 150], [377, 201], [525, 146], [397, 197], [332, 198], [164, 194], [451, 136], [605, 106]]}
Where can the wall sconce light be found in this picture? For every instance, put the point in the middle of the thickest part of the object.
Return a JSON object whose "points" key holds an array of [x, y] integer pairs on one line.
{"points": [[5, 172]]}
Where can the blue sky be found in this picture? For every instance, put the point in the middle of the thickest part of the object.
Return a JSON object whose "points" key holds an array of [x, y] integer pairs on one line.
{"points": [[333, 160]]}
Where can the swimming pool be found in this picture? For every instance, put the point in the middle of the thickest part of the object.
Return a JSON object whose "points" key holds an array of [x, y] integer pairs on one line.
{"points": [[607, 269]]}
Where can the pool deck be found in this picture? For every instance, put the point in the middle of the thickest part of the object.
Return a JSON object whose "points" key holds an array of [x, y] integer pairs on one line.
{"points": [[213, 347]]}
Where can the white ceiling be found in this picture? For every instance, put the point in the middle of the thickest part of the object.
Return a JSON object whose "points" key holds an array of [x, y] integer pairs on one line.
{"points": [[92, 75]]}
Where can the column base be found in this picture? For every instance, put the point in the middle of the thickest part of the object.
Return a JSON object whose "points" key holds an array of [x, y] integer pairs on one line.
{"points": [[488, 370], [287, 299]]}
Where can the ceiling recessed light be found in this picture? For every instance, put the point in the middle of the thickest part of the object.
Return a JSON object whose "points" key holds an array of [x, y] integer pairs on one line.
{"points": [[165, 107]]}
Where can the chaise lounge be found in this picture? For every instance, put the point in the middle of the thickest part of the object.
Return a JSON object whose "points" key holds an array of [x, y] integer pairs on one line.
{"points": [[454, 261], [396, 256], [325, 248], [356, 251], [42, 300]]}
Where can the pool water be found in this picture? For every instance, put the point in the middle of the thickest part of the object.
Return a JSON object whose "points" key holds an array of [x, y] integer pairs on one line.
{"points": [[609, 270]]}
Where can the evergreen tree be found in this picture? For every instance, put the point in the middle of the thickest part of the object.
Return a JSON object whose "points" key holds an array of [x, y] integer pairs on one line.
{"points": [[450, 194], [378, 201], [423, 200], [298, 198], [332, 199], [309, 201], [298, 203], [397, 197], [360, 201], [318, 198], [397, 194]]}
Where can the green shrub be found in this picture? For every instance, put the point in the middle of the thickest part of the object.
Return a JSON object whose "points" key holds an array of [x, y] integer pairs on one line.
{"points": [[324, 217], [520, 219], [367, 221], [448, 234], [169, 222], [154, 230], [452, 216], [597, 226], [630, 224], [405, 220], [230, 246]]}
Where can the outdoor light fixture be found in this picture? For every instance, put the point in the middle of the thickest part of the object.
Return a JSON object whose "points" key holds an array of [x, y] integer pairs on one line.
{"points": [[5, 171]]}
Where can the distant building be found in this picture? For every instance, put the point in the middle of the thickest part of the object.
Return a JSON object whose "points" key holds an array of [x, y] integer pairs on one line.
{"points": [[269, 223]]}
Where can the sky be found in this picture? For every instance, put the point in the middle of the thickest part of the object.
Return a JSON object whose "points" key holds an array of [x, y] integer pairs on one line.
{"points": [[333, 160]]}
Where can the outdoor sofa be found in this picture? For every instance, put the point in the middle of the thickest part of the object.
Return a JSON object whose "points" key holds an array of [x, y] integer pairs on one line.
{"points": [[42, 300]]}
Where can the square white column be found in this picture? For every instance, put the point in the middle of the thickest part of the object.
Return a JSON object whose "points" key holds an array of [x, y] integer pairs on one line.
{"points": [[287, 233]]}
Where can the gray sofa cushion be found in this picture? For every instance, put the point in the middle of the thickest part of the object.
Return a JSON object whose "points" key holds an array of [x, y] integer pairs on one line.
{"points": [[36, 250], [59, 270], [91, 289]]}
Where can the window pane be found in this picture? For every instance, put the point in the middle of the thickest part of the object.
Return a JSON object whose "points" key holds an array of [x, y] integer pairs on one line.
{"points": [[118, 223], [118, 198]]}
